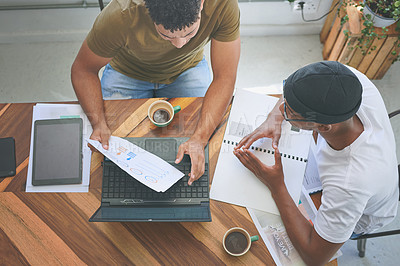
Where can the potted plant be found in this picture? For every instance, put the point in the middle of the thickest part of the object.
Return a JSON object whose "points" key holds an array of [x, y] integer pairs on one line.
{"points": [[377, 16], [382, 13]]}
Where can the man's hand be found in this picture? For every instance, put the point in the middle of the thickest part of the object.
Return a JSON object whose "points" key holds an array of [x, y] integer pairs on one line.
{"points": [[270, 128], [195, 149], [102, 133], [271, 176]]}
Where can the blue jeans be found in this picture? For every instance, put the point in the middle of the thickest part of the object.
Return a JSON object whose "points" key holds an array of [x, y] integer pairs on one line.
{"points": [[193, 82]]}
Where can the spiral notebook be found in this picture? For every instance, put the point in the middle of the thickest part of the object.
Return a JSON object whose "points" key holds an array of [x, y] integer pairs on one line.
{"points": [[234, 183]]}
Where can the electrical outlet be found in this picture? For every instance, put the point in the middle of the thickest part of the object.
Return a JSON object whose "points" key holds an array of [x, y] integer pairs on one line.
{"points": [[310, 6]]}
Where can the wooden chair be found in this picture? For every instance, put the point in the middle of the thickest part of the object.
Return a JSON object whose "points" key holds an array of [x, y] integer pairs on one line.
{"points": [[362, 240]]}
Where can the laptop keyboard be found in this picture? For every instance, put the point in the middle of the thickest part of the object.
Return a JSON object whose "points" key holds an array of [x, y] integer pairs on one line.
{"points": [[118, 184]]}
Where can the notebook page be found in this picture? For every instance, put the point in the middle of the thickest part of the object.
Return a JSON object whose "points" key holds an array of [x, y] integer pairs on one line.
{"points": [[234, 183]]}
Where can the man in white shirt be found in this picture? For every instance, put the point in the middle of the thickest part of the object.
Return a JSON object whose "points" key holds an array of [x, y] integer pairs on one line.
{"points": [[355, 156]]}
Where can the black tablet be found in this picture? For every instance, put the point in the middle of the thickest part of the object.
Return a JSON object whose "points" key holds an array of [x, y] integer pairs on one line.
{"points": [[7, 157], [57, 152]]}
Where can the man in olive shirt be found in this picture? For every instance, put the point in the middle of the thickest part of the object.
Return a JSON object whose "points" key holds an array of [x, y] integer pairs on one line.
{"points": [[154, 48]]}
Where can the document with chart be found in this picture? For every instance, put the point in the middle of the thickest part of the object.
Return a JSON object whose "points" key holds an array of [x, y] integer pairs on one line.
{"points": [[233, 182], [144, 166]]}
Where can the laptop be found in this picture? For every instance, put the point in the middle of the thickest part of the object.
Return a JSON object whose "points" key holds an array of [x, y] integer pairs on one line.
{"points": [[124, 199]]}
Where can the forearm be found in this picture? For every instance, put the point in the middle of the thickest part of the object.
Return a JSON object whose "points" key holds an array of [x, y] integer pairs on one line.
{"points": [[297, 227], [86, 83], [215, 104], [224, 62], [88, 91], [313, 249], [275, 112]]}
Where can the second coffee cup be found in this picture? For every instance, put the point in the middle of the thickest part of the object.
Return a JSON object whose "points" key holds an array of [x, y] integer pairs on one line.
{"points": [[162, 112], [237, 241]]}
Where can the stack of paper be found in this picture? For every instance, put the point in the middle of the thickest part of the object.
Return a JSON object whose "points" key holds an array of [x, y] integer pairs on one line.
{"points": [[57, 111]]}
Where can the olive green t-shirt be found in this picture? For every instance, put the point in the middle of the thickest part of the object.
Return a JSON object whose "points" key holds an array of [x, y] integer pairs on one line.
{"points": [[125, 32]]}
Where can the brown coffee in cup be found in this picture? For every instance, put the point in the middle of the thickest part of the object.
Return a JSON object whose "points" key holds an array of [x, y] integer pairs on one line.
{"points": [[236, 242], [161, 116], [161, 113]]}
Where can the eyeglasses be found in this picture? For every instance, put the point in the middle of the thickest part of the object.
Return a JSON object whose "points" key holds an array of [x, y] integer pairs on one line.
{"points": [[289, 119]]}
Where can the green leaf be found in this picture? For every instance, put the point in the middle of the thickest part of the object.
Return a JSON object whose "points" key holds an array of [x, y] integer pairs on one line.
{"points": [[344, 19]]}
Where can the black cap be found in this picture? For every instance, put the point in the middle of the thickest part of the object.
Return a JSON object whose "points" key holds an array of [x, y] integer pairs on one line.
{"points": [[326, 92]]}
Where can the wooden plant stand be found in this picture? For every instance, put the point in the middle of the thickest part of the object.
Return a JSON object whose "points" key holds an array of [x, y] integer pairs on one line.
{"points": [[376, 58]]}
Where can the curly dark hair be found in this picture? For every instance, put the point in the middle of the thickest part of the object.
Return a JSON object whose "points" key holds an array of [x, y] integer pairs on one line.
{"points": [[174, 14]]}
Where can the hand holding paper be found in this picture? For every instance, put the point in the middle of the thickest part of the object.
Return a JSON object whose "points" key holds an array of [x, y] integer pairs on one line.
{"points": [[102, 133], [144, 166]]}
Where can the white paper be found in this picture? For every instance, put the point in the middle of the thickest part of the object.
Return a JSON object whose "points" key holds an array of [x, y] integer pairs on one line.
{"points": [[274, 235], [312, 182], [308, 205], [144, 166], [271, 89], [233, 182], [57, 111]]}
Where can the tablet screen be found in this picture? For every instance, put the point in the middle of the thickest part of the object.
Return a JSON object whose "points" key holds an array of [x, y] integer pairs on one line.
{"points": [[57, 154], [7, 157]]}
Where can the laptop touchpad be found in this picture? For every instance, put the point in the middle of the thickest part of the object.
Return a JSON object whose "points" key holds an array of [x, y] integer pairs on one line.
{"points": [[164, 148]]}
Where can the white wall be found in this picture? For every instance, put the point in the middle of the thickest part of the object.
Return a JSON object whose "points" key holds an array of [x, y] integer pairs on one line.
{"points": [[269, 18], [278, 18], [43, 2], [46, 24]]}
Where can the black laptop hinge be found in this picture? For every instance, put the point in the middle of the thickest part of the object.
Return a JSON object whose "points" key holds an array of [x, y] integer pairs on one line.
{"points": [[205, 203], [105, 204]]}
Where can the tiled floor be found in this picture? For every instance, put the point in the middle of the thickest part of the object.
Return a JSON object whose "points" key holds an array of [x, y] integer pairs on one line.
{"points": [[40, 72]]}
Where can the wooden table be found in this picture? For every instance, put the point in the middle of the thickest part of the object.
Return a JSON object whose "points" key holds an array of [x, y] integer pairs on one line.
{"points": [[53, 228]]}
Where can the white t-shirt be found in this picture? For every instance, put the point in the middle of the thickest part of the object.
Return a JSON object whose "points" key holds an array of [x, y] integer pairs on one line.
{"points": [[360, 183]]}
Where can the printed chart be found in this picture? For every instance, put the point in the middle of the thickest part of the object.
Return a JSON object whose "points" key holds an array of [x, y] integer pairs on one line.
{"points": [[144, 166]]}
